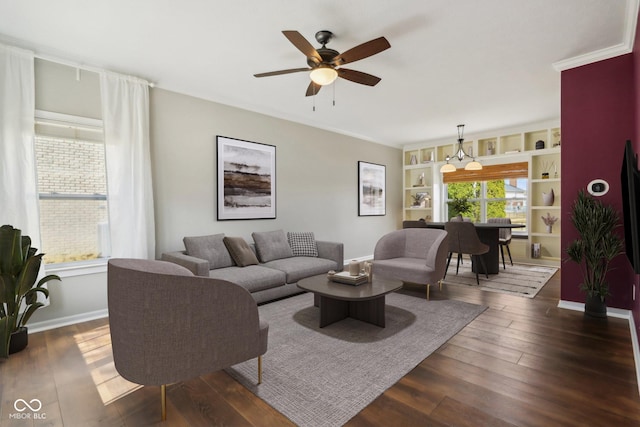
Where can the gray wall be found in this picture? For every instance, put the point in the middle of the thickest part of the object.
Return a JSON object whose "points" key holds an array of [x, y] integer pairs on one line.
{"points": [[317, 173], [316, 179]]}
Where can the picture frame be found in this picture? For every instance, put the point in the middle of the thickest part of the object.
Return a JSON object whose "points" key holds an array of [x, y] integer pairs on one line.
{"points": [[246, 179], [371, 189]]}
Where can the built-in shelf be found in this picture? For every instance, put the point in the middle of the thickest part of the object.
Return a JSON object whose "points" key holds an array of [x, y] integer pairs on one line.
{"points": [[422, 164]]}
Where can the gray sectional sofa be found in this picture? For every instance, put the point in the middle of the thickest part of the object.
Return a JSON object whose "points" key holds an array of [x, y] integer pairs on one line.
{"points": [[269, 268]]}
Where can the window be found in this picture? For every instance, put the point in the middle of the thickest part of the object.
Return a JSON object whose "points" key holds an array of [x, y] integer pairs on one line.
{"points": [[70, 162], [495, 192]]}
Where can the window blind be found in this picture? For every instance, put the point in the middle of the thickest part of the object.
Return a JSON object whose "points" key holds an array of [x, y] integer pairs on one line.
{"points": [[489, 173]]}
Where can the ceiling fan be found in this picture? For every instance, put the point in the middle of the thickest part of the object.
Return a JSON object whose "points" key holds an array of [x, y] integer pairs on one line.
{"points": [[325, 65]]}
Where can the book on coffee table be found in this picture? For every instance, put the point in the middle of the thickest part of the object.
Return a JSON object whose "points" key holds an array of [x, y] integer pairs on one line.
{"points": [[346, 278]]}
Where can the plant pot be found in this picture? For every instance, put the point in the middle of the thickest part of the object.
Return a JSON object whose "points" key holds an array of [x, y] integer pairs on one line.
{"points": [[595, 307], [19, 340]]}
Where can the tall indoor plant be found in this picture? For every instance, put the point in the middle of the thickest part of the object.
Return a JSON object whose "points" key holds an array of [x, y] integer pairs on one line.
{"points": [[19, 267], [593, 251]]}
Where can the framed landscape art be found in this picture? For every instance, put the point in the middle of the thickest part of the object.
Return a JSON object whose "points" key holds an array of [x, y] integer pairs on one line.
{"points": [[246, 179], [371, 189]]}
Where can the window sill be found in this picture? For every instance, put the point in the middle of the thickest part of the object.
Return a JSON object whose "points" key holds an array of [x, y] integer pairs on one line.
{"points": [[79, 268]]}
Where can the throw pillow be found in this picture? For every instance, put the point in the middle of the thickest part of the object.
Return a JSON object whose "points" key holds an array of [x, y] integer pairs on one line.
{"points": [[240, 251], [303, 244], [211, 248], [272, 245]]}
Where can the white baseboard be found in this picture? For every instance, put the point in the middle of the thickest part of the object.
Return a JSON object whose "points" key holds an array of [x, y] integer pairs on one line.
{"points": [[619, 313], [359, 259], [66, 321]]}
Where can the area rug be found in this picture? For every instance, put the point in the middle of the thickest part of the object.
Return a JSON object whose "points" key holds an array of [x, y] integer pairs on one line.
{"points": [[324, 377], [518, 279]]}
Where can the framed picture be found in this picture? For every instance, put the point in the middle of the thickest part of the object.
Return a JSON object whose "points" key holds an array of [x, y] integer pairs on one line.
{"points": [[371, 189], [246, 179]]}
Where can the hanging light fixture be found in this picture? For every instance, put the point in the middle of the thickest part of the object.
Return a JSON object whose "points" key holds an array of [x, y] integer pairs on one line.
{"points": [[323, 75], [473, 165], [447, 167]]}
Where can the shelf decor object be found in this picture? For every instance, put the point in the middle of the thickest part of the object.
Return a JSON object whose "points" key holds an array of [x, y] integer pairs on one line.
{"points": [[546, 166], [548, 198], [473, 165], [549, 220]]}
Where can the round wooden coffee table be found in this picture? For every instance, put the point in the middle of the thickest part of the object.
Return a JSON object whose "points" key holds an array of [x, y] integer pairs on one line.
{"points": [[338, 301]]}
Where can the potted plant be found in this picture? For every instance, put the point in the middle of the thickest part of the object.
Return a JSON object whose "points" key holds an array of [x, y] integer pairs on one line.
{"points": [[459, 206], [417, 198], [593, 251], [19, 267]]}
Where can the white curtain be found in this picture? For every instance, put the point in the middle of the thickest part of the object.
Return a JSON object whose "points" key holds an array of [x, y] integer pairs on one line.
{"points": [[18, 184], [125, 115]]}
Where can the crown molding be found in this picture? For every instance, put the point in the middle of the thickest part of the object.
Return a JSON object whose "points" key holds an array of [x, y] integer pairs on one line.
{"points": [[631, 20]]}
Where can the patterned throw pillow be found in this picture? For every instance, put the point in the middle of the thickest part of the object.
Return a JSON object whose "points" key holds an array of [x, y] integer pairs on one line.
{"points": [[303, 244]]}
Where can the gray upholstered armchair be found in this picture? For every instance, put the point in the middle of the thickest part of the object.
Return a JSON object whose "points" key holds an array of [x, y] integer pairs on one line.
{"points": [[168, 325], [414, 255]]}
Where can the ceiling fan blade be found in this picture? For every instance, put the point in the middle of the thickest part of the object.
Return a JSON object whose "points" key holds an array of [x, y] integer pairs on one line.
{"points": [[358, 77], [313, 89], [362, 51], [277, 73], [303, 45]]}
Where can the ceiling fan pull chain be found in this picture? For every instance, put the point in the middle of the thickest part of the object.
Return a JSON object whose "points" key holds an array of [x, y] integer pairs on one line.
{"points": [[334, 94]]}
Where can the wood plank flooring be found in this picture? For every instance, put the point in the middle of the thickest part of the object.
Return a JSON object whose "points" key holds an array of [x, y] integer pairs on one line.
{"points": [[523, 362]]}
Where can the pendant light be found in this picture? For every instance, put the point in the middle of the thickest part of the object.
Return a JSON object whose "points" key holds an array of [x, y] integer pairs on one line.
{"points": [[473, 165]]}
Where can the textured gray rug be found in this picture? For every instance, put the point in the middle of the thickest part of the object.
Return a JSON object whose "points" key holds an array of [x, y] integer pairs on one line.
{"points": [[323, 377], [517, 279]]}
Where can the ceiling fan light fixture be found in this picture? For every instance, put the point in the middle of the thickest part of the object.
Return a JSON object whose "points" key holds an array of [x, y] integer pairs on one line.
{"points": [[323, 75]]}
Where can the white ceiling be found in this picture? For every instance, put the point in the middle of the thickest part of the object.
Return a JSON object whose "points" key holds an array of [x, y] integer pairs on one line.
{"points": [[488, 64]]}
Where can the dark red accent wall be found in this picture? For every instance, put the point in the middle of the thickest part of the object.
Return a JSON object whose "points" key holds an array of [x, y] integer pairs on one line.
{"points": [[635, 307], [598, 114]]}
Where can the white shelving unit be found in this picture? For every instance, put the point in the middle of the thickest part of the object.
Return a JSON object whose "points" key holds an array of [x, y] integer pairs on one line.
{"points": [[422, 164]]}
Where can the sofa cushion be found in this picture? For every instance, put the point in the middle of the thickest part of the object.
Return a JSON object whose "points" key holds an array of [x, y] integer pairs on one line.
{"points": [[303, 243], [252, 277], [299, 267], [412, 270], [211, 248], [240, 251], [272, 245]]}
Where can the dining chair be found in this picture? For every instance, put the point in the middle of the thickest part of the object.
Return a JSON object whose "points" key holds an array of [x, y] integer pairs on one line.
{"points": [[464, 240], [504, 238]]}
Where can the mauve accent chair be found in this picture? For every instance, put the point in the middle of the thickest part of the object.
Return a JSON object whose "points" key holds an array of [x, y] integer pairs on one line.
{"points": [[464, 240], [168, 325], [504, 238], [413, 255]]}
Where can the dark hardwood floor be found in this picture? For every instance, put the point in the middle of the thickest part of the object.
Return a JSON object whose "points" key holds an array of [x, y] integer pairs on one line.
{"points": [[522, 362]]}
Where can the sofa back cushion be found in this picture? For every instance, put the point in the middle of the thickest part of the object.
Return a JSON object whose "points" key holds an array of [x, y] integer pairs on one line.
{"points": [[240, 251], [272, 245], [211, 248]]}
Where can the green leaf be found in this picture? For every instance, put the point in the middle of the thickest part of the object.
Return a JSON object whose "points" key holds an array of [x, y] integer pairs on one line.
{"points": [[5, 335]]}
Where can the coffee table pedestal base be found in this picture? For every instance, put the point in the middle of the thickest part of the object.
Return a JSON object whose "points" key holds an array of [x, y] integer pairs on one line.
{"points": [[370, 311]]}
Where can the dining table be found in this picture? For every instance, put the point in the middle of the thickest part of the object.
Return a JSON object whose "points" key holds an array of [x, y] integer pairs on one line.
{"points": [[488, 233]]}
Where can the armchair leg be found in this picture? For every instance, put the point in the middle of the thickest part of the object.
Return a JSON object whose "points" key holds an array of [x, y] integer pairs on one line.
{"points": [[163, 401], [259, 369], [428, 288]]}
